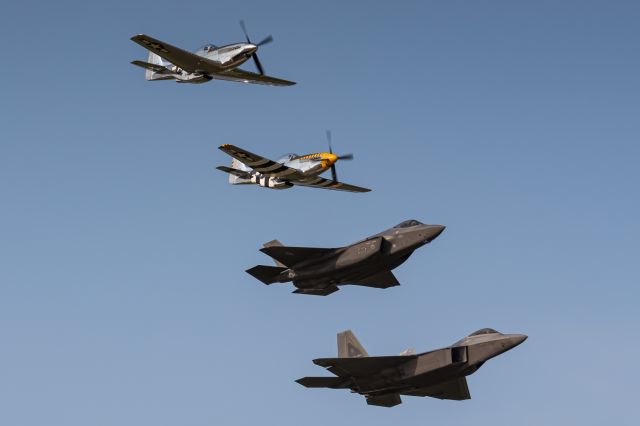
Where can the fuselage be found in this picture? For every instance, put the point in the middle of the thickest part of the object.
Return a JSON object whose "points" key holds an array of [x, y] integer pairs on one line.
{"points": [[309, 165], [381, 252], [227, 57], [440, 366]]}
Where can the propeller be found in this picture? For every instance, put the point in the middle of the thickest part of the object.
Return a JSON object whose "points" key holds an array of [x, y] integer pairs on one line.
{"points": [[268, 39], [334, 175]]}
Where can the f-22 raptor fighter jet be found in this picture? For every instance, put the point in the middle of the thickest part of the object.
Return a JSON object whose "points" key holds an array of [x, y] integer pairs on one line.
{"points": [[439, 374], [288, 171], [208, 63], [319, 271]]}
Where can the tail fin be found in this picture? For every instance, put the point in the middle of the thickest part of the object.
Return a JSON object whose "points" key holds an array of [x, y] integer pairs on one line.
{"points": [[349, 347], [155, 60], [266, 274], [155, 69], [235, 179], [275, 243]]}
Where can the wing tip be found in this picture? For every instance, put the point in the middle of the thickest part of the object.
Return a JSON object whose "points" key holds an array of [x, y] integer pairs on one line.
{"points": [[319, 361]]}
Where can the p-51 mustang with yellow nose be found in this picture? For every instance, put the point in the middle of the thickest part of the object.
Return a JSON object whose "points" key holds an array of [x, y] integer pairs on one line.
{"points": [[290, 170]]}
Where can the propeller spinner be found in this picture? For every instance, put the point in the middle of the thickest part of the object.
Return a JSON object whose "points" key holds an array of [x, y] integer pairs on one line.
{"points": [[334, 175], [254, 55]]}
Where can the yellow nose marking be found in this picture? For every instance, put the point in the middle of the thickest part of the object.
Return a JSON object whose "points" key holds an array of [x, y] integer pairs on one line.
{"points": [[328, 159]]}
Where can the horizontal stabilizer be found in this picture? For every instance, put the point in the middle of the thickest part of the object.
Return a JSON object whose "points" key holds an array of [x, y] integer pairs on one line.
{"points": [[384, 279], [266, 274], [240, 173], [323, 382], [390, 400], [148, 66], [290, 256], [317, 291]]}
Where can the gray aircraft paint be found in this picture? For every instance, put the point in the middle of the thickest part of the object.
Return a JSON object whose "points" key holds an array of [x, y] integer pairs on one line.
{"points": [[319, 271], [438, 374]]}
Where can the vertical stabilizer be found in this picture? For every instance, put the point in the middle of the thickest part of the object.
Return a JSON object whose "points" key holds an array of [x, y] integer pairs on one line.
{"points": [[236, 180], [155, 60], [275, 243], [349, 347]]}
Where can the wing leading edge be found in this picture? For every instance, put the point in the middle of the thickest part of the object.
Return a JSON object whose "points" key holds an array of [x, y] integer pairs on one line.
{"points": [[186, 60]]}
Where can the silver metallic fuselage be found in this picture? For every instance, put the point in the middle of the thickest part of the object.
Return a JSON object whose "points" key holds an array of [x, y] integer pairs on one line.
{"points": [[227, 57], [309, 165]]}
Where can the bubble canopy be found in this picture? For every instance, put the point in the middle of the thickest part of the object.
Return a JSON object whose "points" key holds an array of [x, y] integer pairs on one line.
{"points": [[208, 47], [483, 331], [408, 223], [287, 157]]}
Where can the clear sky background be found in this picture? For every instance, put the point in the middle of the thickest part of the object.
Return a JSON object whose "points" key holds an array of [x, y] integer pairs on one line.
{"points": [[123, 296]]}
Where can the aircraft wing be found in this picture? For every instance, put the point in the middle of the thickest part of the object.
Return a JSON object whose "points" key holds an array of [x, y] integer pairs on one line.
{"points": [[290, 256], [243, 76], [384, 279], [259, 164], [186, 60], [318, 182], [361, 366], [456, 390]]}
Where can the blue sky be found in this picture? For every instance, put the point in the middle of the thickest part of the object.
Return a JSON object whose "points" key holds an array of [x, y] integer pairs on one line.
{"points": [[123, 297]]}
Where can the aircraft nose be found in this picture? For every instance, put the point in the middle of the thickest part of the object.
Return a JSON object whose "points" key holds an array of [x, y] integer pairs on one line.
{"points": [[433, 231], [250, 49], [516, 339]]}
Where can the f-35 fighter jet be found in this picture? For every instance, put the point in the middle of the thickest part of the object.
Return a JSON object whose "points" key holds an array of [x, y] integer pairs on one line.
{"points": [[319, 271], [438, 374]]}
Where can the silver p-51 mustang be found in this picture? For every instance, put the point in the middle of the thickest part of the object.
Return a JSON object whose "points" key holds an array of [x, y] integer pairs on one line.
{"points": [[208, 63]]}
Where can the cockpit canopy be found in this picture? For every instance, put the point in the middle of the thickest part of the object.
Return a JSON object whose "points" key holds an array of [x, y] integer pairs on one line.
{"points": [[483, 331], [408, 223], [287, 157], [208, 48]]}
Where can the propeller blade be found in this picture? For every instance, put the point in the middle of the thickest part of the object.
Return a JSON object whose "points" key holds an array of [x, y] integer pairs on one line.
{"points": [[268, 39], [345, 157], [258, 64], [244, 30], [329, 141], [334, 175]]}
